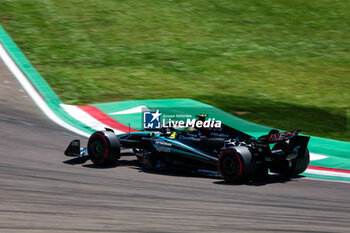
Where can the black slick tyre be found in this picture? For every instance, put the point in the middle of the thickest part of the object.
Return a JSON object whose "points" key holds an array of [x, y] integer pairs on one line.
{"points": [[236, 164], [298, 165], [302, 163], [103, 148]]}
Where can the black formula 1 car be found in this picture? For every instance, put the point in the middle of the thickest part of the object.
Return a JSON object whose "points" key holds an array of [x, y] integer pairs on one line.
{"points": [[234, 155]]}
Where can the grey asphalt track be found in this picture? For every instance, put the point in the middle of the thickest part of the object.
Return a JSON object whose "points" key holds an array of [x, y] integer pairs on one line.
{"points": [[41, 193]]}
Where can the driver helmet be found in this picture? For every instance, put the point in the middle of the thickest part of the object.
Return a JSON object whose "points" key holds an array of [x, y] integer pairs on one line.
{"points": [[191, 131]]}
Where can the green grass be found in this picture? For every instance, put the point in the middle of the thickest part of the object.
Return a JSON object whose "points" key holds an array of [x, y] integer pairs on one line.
{"points": [[281, 63]]}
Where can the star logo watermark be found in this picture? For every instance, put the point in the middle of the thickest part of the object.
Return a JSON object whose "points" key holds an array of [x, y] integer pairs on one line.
{"points": [[151, 120]]}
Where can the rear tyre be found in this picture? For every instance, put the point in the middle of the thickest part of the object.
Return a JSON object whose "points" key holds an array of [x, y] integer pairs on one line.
{"points": [[236, 165], [104, 148], [298, 165], [301, 163]]}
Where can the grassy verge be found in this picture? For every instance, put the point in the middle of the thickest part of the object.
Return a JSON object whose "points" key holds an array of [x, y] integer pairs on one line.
{"points": [[284, 64]]}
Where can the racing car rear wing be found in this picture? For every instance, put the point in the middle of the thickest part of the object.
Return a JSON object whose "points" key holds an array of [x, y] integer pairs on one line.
{"points": [[274, 136]]}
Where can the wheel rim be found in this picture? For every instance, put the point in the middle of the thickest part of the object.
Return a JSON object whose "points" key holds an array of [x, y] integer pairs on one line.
{"points": [[231, 166], [97, 148]]}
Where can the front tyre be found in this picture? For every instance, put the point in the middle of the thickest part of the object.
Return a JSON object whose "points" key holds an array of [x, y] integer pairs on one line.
{"points": [[236, 165], [104, 148]]}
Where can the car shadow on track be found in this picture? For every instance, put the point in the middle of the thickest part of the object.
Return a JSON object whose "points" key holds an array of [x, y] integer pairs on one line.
{"points": [[134, 164], [120, 163], [270, 179], [75, 161], [83, 160]]}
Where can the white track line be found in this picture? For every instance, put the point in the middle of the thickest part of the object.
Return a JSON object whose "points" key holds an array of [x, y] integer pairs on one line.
{"points": [[22, 79], [131, 110], [86, 119], [314, 156]]}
